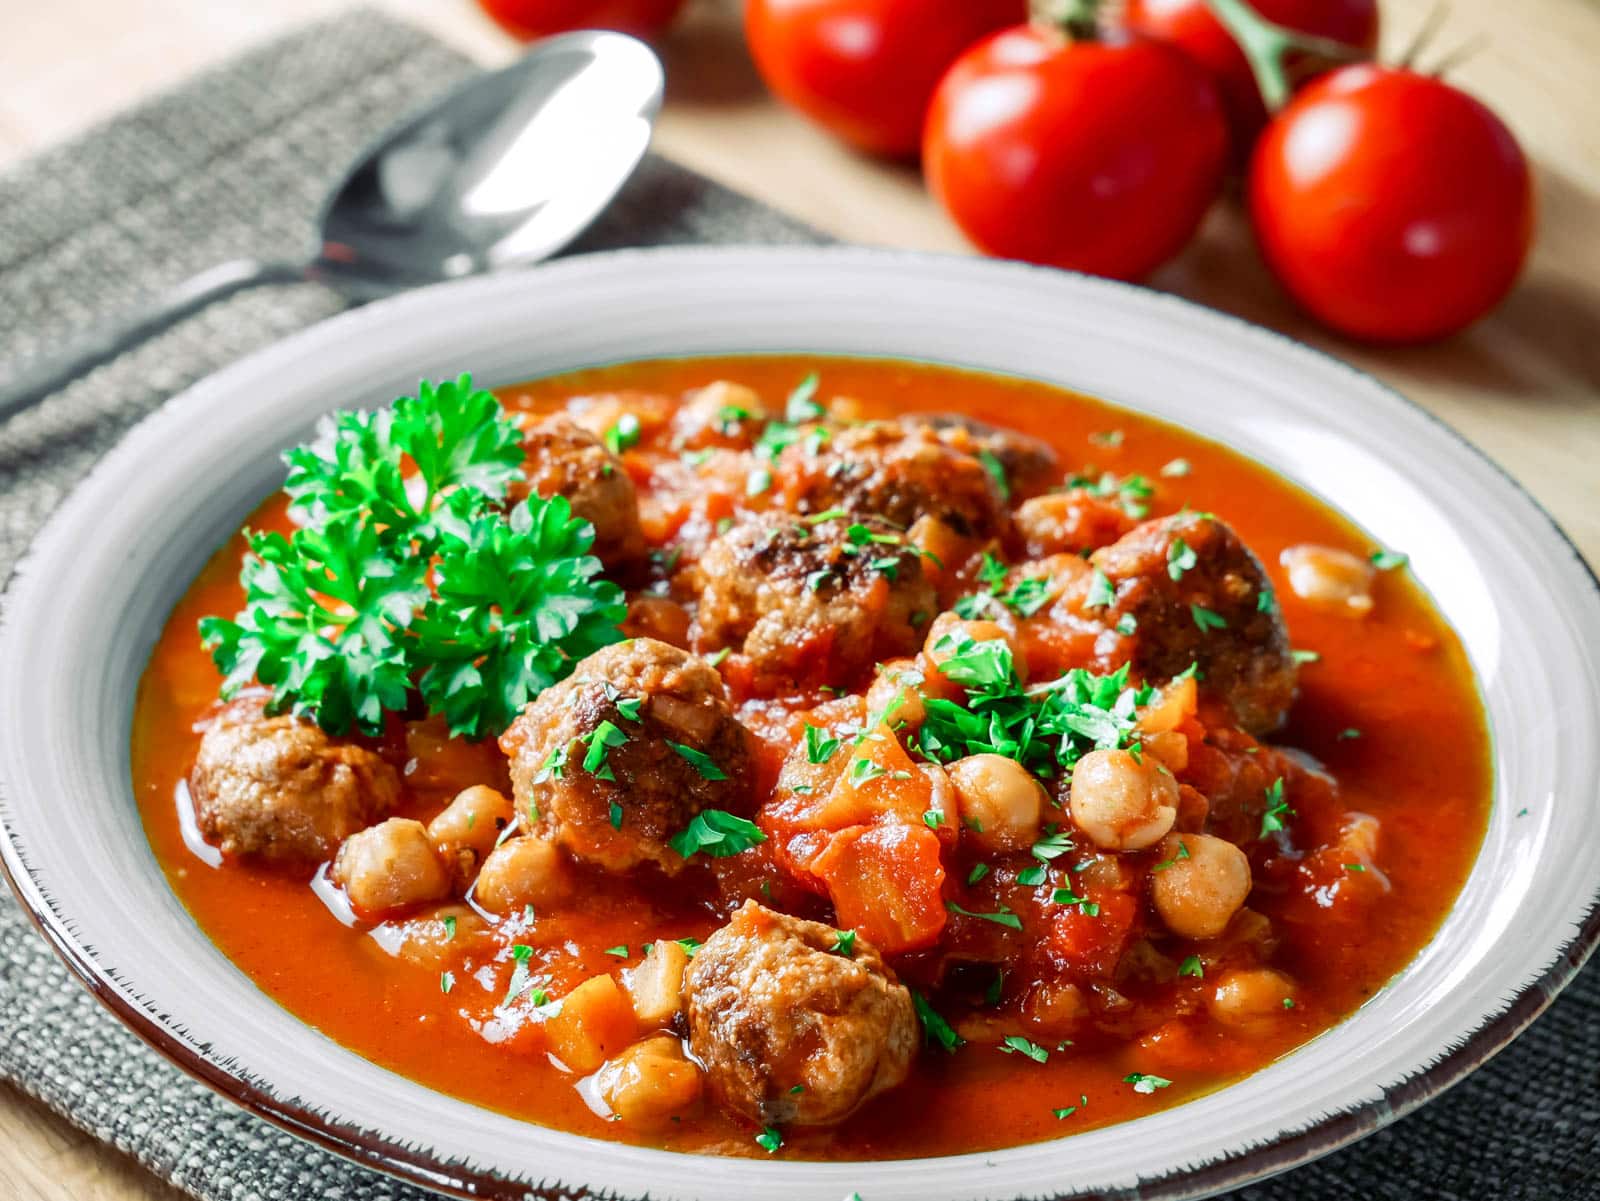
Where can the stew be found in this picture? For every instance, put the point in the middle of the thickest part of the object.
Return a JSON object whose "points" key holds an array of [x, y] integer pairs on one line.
{"points": [[860, 759]]}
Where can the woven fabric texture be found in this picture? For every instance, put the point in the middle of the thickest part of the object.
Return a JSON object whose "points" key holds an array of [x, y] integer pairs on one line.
{"points": [[235, 163]]}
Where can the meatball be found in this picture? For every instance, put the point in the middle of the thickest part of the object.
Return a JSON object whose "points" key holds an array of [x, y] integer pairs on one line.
{"points": [[280, 788], [564, 459], [614, 761], [819, 601], [791, 1031], [1030, 465], [896, 473], [1218, 612]]}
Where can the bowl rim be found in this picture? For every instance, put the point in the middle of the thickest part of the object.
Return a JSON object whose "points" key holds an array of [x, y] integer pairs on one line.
{"points": [[432, 1170]]}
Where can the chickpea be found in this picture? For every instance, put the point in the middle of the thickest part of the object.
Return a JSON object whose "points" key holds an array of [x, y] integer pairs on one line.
{"points": [[390, 865], [1121, 803], [467, 829], [1202, 883], [999, 800], [1251, 997], [521, 871], [902, 679], [1331, 579], [651, 1082]]}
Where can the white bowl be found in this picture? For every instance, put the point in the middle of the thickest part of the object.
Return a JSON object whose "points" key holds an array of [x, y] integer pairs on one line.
{"points": [[86, 605]]}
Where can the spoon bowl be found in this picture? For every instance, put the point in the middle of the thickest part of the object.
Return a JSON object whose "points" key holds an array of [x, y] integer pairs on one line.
{"points": [[504, 171]]}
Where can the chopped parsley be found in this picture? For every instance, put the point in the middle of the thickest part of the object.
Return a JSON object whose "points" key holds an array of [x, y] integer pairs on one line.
{"points": [[802, 404], [449, 923], [844, 943], [1182, 853], [1305, 656], [1127, 624], [1388, 560], [1180, 558], [623, 435], [1191, 966], [770, 1139], [997, 472], [1206, 619], [605, 737], [1277, 808], [1176, 469], [1144, 1083], [1065, 896], [934, 1028], [718, 834], [447, 981], [1045, 728], [1102, 594], [1017, 1045], [1032, 875], [1053, 845], [619, 952], [615, 815], [1002, 918], [1266, 601], [1107, 438], [758, 481], [1131, 492], [978, 872], [1350, 732], [933, 819], [699, 760], [1064, 1112], [1355, 867]]}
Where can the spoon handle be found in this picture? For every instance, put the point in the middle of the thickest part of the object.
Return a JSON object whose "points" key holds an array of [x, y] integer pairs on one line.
{"points": [[51, 371]]}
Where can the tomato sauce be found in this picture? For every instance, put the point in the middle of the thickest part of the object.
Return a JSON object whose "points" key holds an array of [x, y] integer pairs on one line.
{"points": [[1388, 708]]}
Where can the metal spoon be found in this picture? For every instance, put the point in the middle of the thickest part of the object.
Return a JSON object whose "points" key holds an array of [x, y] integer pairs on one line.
{"points": [[506, 170]]}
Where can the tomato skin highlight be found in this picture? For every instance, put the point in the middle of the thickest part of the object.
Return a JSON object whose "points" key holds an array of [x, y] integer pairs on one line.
{"points": [[1393, 207], [1192, 27], [530, 19], [1096, 156], [866, 69]]}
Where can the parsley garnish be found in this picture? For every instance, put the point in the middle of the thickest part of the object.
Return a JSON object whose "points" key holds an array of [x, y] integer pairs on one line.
{"points": [[1305, 656], [1176, 469], [447, 981], [1129, 491], [978, 872], [1192, 967], [1045, 728], [339, 619], [1003, 918], [1277, 809], [699, 760], [1146, 1084], [1101, 592], [1031, 875], [844, 943], [997, 472], [718, 834], [1388, 560], [622, 435], [1348, 733], [620, 952], [604, 737], [449, 922], [934, 1028], [1053, 845], [1180, 558], [802, 404], [1206, 619], [1017, 1045], [1183, 853], [770, 1139], [1127, 624]]}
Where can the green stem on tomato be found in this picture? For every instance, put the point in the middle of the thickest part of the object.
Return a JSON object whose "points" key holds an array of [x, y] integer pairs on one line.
{"points": [[1266, 45], [1079, 19]]}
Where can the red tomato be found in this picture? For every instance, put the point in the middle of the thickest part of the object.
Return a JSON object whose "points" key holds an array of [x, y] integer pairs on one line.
{"points": [[1190, 25], [1101, 156], [1393, 207], [865, 69], [529, 19]]}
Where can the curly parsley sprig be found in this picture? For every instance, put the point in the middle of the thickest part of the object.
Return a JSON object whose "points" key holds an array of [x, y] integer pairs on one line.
{"points": [[340, 621]]}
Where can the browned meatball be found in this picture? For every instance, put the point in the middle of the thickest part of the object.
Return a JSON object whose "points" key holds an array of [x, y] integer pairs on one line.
{"points": [[618, 758], [790, 1031], [1218, 612], [280, 788], [808, 602], [1030, 465], [896, 473], [564, 459]]}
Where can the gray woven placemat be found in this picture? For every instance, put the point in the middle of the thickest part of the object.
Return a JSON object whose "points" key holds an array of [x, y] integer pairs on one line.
{"points": [[235, 163]]}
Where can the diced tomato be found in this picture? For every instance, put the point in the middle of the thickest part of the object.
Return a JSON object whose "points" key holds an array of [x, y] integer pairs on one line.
{"points": [[1094, 943], [885, 882], [878, 781]]}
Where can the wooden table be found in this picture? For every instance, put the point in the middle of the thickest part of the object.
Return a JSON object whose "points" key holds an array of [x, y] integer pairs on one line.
{"points": [[1524, 384]]}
